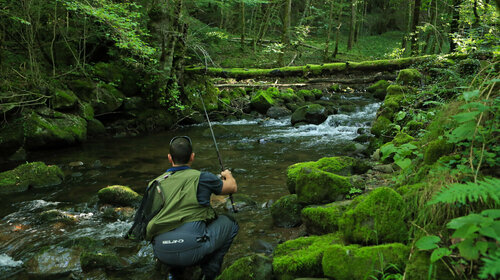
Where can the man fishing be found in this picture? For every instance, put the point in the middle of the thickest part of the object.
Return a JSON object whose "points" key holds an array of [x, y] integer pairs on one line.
{"points": [[187, 231]]}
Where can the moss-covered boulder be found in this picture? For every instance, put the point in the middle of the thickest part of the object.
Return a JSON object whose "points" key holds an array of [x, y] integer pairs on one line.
{"points": [[354, 262], [155, 119], [376, 218], [382, 127], [95, 128], [34, 175], [109, 72], [315, 186], [436, 149], [63, 99], [57, 216], [205, 89], [286, 211], [344, 166], [302, 257], [54, 263], [323, 219], [254, 267], [105, 260], [276, 112], [51, 128], [419, 268], [392, 104], [262, 101], [107, 99], [118, 195], [409, 77], [307, 95], [311, 114], [379, 89]]}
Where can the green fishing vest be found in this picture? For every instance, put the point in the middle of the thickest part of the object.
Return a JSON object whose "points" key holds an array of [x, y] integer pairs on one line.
{"points": [[181, 204]]}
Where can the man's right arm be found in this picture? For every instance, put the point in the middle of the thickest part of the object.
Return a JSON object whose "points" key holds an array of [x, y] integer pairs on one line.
{"points": [[228, 182]]}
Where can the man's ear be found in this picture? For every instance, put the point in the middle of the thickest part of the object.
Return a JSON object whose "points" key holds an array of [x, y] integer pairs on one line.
{"points": [[191, 158], [170, 159]]}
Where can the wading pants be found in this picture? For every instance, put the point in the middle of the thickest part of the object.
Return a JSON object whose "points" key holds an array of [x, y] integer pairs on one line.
{"points": [[196, 243]]}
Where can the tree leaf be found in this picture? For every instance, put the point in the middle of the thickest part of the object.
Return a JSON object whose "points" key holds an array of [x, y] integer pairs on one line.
{"points": [[428, 242], [468, 95], [404, 163], [468, 250], [466, 116], [439, 253]]}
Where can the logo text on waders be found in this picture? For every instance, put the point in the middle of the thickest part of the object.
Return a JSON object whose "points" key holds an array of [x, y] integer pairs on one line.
{"points": [[175, 241]]}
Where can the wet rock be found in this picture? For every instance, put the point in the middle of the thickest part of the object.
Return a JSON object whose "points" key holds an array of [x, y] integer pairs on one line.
{"points": [[63, 100], [56, 215], [379, 89], [323, 219], [363, 138], [354, 262], [262, 101], [242, 202], [384, 168], [35, 175], [54, 262], [76, 163], [97, 164], [375, 218], [109, 99], [95, 128], [105, 260], [301, 257], [276, 112], [286, 212], [118, 213], [261, 246], [251, 267], [53, 128], [19, 155], [312, 114], [119, 195]]}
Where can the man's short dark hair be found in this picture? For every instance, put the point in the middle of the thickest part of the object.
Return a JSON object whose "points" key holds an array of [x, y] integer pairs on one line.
{"points": [[180, 150]]}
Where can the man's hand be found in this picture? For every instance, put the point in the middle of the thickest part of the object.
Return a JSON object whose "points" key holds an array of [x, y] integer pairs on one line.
{"points": [[228, 182]]}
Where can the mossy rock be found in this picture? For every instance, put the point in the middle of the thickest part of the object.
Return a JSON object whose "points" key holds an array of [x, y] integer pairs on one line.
{"points": [[381, 126], [63, 100], [315, 186], [254, 267], [400, 139], [86, 111], [35, 175], [376, 218], [308, 95], [109, 72], [419, 265], [11, 137], [286, 212], [436, 149], [95, 128], [289, 96], [409, 77], [311, 114], [468, 66], [392, 105], [396, 89], [54, 129], [323, 219], [344, 166], [206, 90], [302, 257], [379, 89], [119, 195], [262, 101], [55, 215], [82, 88], [53, 263], [413, 127], [354, 262], [108, 99], [155, 119], [105, 260]]}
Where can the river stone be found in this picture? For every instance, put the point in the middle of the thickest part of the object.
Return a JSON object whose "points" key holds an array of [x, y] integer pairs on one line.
{"points": [[63, 100], [54, 262], [315, 186], [249, 268], [106, 260], [119, 195], [286, 211], [242, 202], [56, 215], [108, 99], [35, 175], [276, 112], [375, 218], [51, 128], [95, 128], [353, 262], [262, 101], [311, 114]]}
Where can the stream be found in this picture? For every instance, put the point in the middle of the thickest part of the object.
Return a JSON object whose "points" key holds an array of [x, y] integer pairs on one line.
{"points": [[257, 150]]}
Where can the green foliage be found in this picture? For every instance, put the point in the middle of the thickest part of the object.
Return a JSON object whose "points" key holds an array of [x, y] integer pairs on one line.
{"points": [[469, 192]]}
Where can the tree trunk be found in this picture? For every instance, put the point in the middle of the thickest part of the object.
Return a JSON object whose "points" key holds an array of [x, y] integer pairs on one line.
{"points": [[454, 23], [413, 30], [337, 35], [476, 15], [328, 32], [242, 6], [285, 39], [432, 14], [404, 43], [352, 27], [304, 13]]}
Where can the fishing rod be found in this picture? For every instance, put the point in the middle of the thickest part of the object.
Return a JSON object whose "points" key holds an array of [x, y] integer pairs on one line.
{"points": [[216, 148]]}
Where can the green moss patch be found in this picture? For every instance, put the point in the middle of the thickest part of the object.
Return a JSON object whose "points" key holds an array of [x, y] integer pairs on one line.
{"points": [[354, 262], [379, 89], [262, 101], [315, 186], [105, 260], [312, 113], [286, 211], [436, 149], [302, 257], [323, 219], [409, 77], [376, 218], [118, 195], [254, 267], [35, 174]]}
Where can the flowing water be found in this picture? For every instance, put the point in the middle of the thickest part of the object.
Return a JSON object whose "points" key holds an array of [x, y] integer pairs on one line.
{"points": [[258, 151]]}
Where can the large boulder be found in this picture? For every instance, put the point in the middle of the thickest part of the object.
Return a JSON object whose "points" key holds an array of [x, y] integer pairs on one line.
{"points": [[354, 262], [63, 100], [286, 211], [376, 218], [409, 77], [311, 114], [379, 89], [248, 268], [96, 259], [51, 128], [53, 263], [419, 267], [35, 175], [119, 195], [315, 186], [107, 99], [323, 219], [276, 112], [262, 101], [436, 149], [302, 257]]}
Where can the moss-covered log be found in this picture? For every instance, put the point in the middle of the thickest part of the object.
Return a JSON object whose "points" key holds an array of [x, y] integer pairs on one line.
{"points": [[311, 69]]}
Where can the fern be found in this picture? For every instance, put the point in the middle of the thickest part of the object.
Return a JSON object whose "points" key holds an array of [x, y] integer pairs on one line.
{"points": [[487, 189], [491, 266]]}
